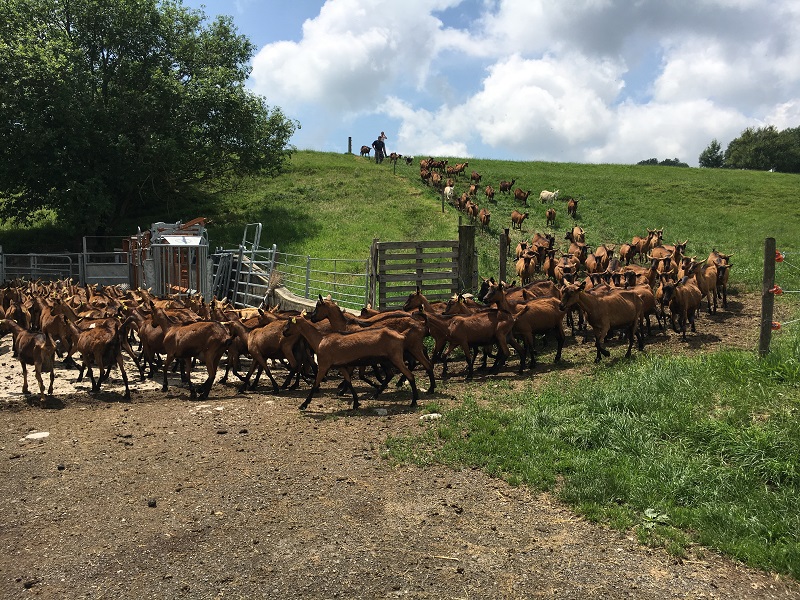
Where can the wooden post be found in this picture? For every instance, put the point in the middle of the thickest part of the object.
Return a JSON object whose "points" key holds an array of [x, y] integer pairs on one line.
{"points": [[349, 144], [466, 257], [767, 297], [504, 238], [373, 272]]}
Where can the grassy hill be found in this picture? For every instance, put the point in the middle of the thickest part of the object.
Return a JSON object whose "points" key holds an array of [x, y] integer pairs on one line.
{"points": [[333, 205]]}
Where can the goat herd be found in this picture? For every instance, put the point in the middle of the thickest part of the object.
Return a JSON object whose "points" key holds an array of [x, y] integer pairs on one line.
{"points": [[443, 177], [647, 279]]}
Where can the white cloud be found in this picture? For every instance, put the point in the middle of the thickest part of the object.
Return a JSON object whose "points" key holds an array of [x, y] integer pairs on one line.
{"points": [[656, 130], [532, 79], [785, 115], [350, 54]]}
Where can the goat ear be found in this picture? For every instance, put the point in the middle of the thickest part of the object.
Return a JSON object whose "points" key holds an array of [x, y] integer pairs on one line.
{"points": [[320, 297]]}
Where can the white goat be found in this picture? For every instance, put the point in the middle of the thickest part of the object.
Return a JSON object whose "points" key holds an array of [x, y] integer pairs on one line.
{"points": [[546, 196]]}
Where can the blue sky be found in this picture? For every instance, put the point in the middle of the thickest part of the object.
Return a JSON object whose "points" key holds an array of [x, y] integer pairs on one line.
{"points": [[592, 81]]}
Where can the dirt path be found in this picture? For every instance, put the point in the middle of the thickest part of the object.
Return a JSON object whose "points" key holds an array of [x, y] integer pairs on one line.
{"points": [[247, 497]]}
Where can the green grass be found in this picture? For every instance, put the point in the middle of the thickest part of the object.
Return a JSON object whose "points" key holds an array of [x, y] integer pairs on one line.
{"points": [[683, 450]]}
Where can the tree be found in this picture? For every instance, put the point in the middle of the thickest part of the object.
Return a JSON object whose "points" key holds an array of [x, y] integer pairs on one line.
{"points": [[107, 103], [712, 157], [667, 162], [672, 162]]}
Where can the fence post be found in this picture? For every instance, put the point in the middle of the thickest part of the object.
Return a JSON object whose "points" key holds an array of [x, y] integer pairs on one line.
{"points": [[367, 280], [466, 257], [503, 253], [235, 298], [767, 297], [373, 272]]}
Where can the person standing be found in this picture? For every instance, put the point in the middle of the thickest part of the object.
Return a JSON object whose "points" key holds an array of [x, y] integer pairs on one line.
{"points": [[380, 148]]}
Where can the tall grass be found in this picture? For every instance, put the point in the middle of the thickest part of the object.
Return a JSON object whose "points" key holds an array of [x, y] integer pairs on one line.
{"points": [[684, 450]]}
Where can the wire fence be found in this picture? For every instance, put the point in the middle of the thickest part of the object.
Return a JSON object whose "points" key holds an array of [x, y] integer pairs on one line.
{"points": [[346, 280]]}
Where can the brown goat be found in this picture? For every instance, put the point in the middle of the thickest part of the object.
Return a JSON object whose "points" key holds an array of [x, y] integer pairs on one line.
{"points": [[572, 208], [489, 192], [543, 315], [705, 276], [266, 341], [683, 299], [349, 349], [32, 348], [576, 234], [100, 345], [477, 330], [526, 267], [505, 186], [206, 339], [722, 261], [472, 210], [550, 215], [612, 310], [517, 218], [399, 321], [649, 304], [484, 216], [640, 246], [626, 253], [521, 196]]}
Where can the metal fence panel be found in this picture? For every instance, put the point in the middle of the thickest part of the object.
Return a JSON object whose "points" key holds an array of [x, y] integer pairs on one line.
{"points": [[346, 280], [47, 267], [105, 268]]}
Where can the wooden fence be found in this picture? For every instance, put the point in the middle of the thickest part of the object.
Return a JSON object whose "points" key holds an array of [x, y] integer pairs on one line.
{"points": [[438, 268]]}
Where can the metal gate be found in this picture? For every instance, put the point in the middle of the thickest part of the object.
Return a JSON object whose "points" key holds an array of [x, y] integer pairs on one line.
{"points": [[47, 267]]}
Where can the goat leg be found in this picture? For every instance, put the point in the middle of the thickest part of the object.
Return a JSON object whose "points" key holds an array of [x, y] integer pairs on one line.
{"points": [[243, 388], [307, 401], [24, 379], [95, 383], [38, 372], [631, 333], [121, 365], [599, 336]]}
